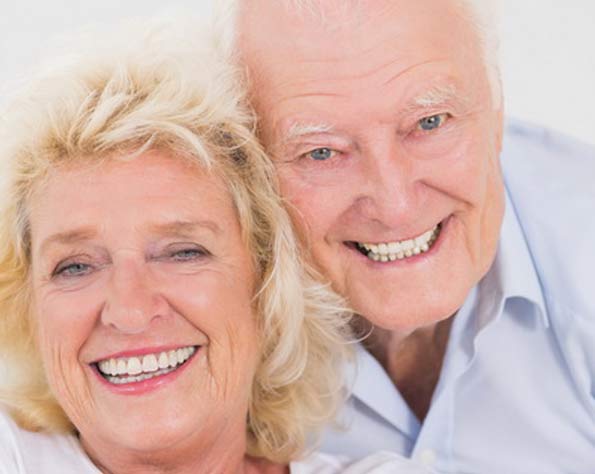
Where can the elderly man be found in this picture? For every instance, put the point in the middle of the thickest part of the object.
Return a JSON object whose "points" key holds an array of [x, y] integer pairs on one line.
{"points": [[471, 266]]}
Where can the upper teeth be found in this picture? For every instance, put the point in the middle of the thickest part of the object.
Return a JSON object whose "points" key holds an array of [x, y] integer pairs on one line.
{"points": [[145, 364], [391, 251]]}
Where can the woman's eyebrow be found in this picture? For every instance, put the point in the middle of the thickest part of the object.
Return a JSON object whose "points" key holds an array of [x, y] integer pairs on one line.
{"points": [[185, 228], [173, 228], [67, 238]]}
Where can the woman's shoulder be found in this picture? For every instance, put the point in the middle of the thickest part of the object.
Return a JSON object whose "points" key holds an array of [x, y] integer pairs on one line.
{"points": [[379, 463], [26, 452]]}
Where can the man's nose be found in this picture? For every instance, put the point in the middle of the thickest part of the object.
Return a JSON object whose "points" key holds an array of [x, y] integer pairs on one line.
{"points": [[133, 300], [392, 187]]}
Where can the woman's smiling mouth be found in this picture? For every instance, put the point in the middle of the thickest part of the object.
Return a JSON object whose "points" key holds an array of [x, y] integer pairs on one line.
{"points": [[125, 370]]}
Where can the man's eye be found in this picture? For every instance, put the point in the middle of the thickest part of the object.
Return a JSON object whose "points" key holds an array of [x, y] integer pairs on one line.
{"points": [[321, 154], [432, 122], [72, 269]]}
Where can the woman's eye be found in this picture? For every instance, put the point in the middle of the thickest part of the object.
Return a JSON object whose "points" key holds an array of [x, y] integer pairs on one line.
{"points": [[432, 122], [321, 154], [73, 269], [187, 254]]}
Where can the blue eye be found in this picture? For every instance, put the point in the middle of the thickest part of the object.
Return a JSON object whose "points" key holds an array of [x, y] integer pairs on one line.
{"points": [[432, 122], [321, 154], [73, 269], [185, 255]]}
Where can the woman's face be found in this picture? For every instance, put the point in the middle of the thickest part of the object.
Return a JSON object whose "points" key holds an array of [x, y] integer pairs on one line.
{"points": [[142, 295]]}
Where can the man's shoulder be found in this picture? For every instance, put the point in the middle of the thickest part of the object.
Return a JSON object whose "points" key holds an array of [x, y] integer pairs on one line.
{"points": [[549, 178], [546, 162]]}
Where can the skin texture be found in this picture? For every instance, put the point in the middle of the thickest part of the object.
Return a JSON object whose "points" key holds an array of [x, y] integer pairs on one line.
{"points": [[127, 278], [365, 76]]}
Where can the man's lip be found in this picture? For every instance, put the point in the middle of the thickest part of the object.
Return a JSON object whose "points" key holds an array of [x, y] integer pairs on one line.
{"points": [[444, 228], [143, 351], [375, 240]]}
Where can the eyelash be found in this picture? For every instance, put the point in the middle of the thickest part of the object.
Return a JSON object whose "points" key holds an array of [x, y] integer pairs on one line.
{"points": [[195, 251], [63, 269], [445, 118], [307, 155], [68, 268]]}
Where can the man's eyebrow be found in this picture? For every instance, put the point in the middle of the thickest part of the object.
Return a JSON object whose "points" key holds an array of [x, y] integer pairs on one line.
{"points": [[298, 130], [435, 96]]}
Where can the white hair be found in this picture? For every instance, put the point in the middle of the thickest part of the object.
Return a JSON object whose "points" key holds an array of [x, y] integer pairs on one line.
{"points": [[484, 18], [482, 14]]}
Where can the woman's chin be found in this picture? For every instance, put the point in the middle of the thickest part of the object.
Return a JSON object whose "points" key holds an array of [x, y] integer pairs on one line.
{"points": [[129, 436]]}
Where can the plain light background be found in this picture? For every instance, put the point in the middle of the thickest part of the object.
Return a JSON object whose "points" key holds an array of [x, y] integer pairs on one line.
{"points": [[547, 50]]}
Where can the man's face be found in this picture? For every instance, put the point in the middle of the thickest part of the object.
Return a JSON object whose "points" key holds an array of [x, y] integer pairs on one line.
{"points": [[382, 125]]}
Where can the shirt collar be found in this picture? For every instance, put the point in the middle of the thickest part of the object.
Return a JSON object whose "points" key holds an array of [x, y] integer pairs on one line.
{"points": [[512, 275], [369, 383]]}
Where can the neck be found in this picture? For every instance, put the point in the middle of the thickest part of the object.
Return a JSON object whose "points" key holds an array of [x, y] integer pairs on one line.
{"points": [[223, 455], [413, 361]]}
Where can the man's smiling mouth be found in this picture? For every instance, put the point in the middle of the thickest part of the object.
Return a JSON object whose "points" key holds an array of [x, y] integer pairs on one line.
{"points": [[123, 370], [390, 251]]}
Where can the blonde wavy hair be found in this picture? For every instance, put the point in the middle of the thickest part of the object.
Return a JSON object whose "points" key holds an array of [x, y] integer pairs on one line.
{"points": [[166, 88]]}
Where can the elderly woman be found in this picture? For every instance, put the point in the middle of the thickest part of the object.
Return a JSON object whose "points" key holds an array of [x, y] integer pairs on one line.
{"points": [[154, 316]]}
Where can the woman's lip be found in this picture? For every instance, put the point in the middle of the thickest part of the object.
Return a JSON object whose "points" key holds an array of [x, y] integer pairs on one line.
{"points": [[145, 386], [143, 351]]}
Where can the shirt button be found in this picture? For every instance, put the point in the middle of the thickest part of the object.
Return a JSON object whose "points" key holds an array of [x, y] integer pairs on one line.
{"points": [[427, 457]]}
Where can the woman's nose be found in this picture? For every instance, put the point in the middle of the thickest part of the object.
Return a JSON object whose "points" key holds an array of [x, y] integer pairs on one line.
{"points": [[133, 300]]}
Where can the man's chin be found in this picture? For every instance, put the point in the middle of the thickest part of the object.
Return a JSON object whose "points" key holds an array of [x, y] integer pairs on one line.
{"points": [[406, 314]]}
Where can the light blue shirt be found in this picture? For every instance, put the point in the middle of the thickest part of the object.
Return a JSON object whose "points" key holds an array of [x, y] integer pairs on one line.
{"points": [[517, 389]]}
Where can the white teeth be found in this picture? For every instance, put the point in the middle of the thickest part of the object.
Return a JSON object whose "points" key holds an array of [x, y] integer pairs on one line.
{"points": [[140, 368], [391, 251], [134, 366], [163, 361], [150, 363], [394, 247], [173, 358], [104, 366], [407, 245]]}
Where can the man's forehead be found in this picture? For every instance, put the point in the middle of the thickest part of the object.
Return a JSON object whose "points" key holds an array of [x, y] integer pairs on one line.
{"points": [[273, 42]]}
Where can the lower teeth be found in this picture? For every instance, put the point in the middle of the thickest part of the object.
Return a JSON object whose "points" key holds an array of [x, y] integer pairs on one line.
{"points": [[119, 380]]}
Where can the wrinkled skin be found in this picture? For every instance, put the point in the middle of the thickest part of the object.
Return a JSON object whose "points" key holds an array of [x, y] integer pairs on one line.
{"points": [[341, 97], [141, 254]]}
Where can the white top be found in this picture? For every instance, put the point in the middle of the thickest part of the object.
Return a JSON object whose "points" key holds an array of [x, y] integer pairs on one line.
{"points": [[23, 452]]}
